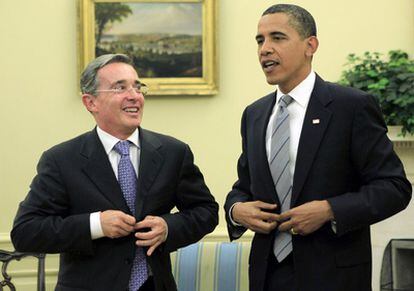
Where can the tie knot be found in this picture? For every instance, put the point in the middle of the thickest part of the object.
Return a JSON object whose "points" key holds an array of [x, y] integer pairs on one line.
{"points": [[122, 147], [285, 100]]}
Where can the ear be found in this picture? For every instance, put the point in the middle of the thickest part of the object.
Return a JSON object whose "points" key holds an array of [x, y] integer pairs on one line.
{"points": [[90, 102], [312, 46]]}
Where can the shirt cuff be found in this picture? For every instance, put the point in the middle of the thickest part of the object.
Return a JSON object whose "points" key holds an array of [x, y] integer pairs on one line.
{"points": [[166, 232], [231, 216], [95, 224], [333, 226]]}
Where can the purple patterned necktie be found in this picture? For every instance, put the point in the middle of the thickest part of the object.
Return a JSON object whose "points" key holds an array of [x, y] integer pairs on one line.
{"points": [[128, 181]]}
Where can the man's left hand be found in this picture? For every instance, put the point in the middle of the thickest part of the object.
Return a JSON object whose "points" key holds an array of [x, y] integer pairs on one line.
{"points": [[156, 235], [306, 218]]}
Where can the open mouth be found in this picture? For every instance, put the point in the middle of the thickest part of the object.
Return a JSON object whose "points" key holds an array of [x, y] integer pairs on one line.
{"points": [[269, 65], [131, 109]]}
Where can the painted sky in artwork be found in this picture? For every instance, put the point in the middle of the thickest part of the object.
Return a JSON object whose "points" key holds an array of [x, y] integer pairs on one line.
{"points": [[176, 18]]}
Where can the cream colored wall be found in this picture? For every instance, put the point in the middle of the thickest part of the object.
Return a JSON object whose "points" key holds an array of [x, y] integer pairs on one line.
{"points": [[40, 106]]}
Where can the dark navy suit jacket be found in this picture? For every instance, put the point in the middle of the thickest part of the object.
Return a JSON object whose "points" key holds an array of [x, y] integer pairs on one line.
{"points": [[75, 179], [345, 158]]}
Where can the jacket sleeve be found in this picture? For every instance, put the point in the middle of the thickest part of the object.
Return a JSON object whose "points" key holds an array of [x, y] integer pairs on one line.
{"points": [[385, 189], [43, 222], [198, 211], [241, 188]]}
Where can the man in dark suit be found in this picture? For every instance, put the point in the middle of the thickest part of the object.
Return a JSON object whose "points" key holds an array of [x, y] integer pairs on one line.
{"points": [[310, 191], [108, 211]]}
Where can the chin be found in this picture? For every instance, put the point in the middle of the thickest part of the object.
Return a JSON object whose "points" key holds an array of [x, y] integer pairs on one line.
{"points": [[272, 81], [134, 122]]}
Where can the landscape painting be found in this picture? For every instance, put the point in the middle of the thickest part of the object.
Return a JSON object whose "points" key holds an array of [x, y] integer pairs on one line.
{"points": [[164, 39], [172, 42]]}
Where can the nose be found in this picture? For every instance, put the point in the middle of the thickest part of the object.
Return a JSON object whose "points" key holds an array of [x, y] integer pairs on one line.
{"points": [[266, 48], [134, 95]]}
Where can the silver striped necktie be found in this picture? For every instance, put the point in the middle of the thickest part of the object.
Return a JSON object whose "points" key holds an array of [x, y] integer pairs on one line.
{"points": [[279, 168]]}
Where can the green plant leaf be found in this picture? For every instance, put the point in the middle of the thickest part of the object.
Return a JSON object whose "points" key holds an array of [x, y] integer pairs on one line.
{"points": [[390, 79]]}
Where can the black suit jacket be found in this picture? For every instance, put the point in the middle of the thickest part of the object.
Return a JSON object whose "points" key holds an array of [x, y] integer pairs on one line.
{"points": [[345, 158], [75, 179]]}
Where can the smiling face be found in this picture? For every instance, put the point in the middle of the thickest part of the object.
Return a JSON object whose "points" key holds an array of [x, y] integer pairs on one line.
{"points": [[284, 55], [118, 114]]}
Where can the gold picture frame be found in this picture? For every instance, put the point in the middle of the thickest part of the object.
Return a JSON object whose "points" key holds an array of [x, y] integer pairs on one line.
{"points": [[198, 78]]}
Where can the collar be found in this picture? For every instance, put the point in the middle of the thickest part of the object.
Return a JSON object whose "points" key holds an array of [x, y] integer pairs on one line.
{"points": [[302, 92], [109, 141]]}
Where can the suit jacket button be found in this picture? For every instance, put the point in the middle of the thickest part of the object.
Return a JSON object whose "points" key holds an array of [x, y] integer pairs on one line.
{"points": [[128, 261]]}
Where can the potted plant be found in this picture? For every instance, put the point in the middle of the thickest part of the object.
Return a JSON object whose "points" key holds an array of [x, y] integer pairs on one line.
{"points": [[390, 80]]}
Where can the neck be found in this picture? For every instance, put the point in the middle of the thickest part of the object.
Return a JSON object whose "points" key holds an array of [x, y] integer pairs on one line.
{"points": [[302, 75]]}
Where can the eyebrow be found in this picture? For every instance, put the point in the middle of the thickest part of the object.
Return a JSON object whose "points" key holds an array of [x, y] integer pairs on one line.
{"points": [[273, 33], [125, 81], [278, 33]]}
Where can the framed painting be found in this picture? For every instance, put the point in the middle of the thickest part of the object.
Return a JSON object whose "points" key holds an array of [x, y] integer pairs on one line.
{"points": [[171, 42]]}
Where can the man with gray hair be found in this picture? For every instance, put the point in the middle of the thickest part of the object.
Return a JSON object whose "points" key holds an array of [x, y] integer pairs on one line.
{"points": [[103, 200], [316, 169]]}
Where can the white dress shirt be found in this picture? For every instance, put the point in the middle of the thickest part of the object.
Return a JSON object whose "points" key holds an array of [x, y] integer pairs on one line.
{"points": [[297, 110], [108, 142]]}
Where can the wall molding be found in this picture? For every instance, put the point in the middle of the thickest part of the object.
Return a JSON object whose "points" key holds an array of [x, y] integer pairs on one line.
{"points": [[400, 144], [219, 234], [399, 141], [4, 237], [32, 273]]}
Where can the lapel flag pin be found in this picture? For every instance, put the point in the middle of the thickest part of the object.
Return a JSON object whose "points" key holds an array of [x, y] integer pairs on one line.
{"points": [[316, 121]]}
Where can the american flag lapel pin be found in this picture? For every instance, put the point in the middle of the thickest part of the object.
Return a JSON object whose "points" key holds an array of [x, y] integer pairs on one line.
{"points": [[316, 121]]}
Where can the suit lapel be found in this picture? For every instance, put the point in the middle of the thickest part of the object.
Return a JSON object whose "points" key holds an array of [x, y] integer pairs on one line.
{"points": [[150, 164], [261, 120], [316, 121], [99, 170]]}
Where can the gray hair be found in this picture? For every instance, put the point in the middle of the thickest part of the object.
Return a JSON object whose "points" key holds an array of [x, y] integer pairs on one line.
{"points": [[299, 18], [89, 81]]}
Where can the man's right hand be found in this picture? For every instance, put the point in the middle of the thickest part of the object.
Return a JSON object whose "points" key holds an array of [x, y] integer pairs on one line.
{"points": [[252, 216], [116, 223]]}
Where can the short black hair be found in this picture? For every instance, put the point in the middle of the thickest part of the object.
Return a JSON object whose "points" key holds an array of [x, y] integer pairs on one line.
{"points": [[299, 18]]}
